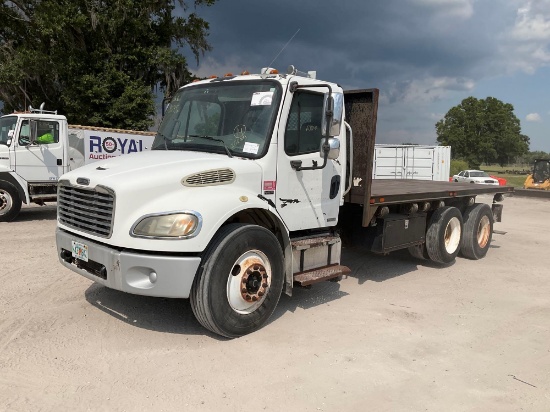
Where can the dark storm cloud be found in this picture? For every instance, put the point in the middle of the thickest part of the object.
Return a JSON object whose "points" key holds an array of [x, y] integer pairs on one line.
{"points": [[352, 42], [425, 56]]}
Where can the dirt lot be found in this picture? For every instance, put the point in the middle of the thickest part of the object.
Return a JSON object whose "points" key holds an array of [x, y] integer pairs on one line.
{"points": [[396, 335]]}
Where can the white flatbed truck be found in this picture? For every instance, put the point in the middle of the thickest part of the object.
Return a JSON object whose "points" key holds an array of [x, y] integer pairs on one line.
{"points": [[252, 183]]}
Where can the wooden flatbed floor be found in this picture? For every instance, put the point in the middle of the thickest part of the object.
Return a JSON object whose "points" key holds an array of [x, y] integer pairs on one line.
{"points": [[408, 190]]}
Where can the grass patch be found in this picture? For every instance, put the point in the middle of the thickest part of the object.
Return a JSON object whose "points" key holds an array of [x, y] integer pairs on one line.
{"points": [[512, 179]]}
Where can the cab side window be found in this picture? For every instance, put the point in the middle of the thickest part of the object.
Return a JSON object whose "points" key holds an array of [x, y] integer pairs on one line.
{"points": [[47, 131], [303, 128]]}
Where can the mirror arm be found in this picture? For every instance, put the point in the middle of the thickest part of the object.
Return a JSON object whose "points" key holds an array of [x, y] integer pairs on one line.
{"points": [[297, 165]]}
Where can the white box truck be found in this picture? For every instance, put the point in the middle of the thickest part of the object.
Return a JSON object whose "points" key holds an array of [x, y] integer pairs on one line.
{"points": [[38, 146], [419, 162], [252, 183]]}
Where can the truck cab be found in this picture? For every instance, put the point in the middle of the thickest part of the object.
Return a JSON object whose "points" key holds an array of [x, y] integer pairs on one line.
{"points": [[33, 153], [264, 154], [38, 146]]}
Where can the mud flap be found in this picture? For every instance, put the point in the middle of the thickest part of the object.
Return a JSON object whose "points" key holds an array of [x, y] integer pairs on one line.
{"points": [[497, 212]]}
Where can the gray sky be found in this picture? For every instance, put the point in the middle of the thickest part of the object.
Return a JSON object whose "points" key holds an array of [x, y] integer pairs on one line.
{"points": [[425, 56]]}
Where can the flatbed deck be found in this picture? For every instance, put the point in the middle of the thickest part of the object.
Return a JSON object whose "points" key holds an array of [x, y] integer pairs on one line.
{"points": [[388, 191]]}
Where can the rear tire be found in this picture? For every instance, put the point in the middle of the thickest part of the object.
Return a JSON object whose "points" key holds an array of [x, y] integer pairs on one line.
{"points": [[444, 235], [419, 251], [478, 231], [10, 202], [239, 281]]}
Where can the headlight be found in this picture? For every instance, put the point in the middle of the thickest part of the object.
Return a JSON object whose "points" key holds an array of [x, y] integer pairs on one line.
{"points": [[175, 225]]}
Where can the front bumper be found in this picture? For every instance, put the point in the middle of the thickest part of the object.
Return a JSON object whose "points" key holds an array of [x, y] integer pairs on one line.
{"points": [[132, 272]]}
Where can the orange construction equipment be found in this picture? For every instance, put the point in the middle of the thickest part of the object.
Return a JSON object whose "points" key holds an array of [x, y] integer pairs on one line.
{"points": [[540, 178]]}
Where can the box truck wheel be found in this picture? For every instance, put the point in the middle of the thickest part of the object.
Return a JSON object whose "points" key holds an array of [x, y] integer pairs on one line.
{"points": [[478, 231], [239, 281], [10, 202], [444, 235]]}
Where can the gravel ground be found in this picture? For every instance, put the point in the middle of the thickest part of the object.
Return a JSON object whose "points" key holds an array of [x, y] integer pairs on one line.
{"points": [[396, 335]]}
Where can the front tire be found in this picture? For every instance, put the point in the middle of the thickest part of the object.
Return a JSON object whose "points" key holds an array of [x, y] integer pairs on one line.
{"points": [[444, 235], [478, 231], [10, 202], [239, 281]]}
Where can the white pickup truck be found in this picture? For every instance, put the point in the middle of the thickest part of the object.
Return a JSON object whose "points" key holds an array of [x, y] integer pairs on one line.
{"points": [[38, 146]]}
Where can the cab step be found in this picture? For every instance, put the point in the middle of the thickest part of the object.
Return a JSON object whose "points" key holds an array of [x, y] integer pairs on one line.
{"points": [[309, 277], [303, 244]]}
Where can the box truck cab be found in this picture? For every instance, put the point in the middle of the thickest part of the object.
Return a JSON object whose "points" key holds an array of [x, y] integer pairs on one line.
{"points": [[38, 146]]}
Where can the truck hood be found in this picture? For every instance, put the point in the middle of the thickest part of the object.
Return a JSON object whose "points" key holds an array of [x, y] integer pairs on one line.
{"points": [[155, 170]]}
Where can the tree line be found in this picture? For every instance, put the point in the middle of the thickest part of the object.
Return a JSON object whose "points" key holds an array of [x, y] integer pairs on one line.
{"points": [[99, 62], [483, 131]]}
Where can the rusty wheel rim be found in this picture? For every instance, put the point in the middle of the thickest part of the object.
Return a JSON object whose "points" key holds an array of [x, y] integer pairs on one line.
{"points": [[483, 231], [248, 282]]}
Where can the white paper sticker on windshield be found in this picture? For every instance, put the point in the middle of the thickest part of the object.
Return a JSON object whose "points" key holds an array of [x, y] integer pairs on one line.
{"points": [[261, 99], [251, 148]]}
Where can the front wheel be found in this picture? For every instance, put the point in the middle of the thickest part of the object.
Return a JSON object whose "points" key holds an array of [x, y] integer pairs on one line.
{"points": [[239, 281], [10, 202]]}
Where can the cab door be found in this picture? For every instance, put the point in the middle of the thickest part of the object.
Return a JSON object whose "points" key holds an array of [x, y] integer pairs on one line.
{"points": [[41, 161], [306, 199]]}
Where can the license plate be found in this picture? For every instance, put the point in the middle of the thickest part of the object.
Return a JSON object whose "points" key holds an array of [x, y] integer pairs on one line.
{"points": [[80, 251]]}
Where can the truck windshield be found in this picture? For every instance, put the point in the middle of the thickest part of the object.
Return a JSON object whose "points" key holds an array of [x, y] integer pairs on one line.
{"points": [[235, 118], [6, 124]]}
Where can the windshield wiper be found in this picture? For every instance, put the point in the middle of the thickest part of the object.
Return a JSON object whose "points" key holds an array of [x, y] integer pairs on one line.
{"points": [[215, 140]]}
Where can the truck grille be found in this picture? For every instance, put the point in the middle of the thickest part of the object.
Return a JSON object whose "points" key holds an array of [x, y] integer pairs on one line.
{"points": [[87, 210]]}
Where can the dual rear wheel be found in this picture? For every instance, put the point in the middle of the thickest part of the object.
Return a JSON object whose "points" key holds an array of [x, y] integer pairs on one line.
{"points": [[450, 233]]}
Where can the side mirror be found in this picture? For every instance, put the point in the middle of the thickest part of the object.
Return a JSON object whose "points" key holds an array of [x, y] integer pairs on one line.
{"points": [[34, 131], [333, 109], [333, 148], [11, 133]]}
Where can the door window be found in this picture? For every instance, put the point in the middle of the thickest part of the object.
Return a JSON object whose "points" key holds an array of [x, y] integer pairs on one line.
{"points": [[47, 132], [303, 128]]}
